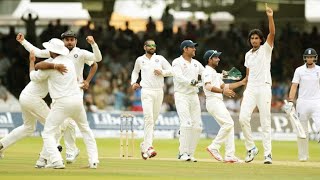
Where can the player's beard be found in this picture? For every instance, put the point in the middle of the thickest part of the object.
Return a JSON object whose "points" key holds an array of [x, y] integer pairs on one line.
{"points": [[151, 51], [70, 46]]}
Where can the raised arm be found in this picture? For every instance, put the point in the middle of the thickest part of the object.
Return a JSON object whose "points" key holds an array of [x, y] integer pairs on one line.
{"points": [[35, 75], [96, 55], [29, 47], [272, 29]]}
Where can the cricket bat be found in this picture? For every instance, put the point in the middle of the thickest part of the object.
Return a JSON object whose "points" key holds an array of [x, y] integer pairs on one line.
{"points": [[295, 122]]}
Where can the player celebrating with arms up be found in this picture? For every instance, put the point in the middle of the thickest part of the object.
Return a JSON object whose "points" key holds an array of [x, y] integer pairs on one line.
{"points": [[258, 90]]}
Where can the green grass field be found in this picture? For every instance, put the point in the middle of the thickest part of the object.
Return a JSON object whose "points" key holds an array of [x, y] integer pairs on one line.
{"points": [[19, 161]]}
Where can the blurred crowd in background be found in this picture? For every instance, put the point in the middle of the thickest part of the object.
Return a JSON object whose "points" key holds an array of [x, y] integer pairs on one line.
{"points": [[110, 89]]}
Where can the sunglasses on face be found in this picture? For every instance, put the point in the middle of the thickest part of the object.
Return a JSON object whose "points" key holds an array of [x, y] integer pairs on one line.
{"points": [[151, 45]]}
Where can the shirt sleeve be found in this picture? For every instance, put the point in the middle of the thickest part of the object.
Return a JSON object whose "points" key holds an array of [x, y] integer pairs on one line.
{"points": [[135, 72], [40, 53], [201, 68], [207, 77], [39, 75], [95, 56], [177, 73], [166, 68], [296, 77]]}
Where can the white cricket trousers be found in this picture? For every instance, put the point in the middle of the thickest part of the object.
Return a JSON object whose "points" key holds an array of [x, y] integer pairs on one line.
{"points": [[189, 112], [32, 108], [68, 131], [61, 109], [218, 110], [151, 103], [307, 110], [259, 96]]}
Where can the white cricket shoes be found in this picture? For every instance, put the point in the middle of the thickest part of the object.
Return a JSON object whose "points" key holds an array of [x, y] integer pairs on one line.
{"points": [[232, 159], [151, 152], [303, 159], [41, 163], [71, 158], [215, 153], [93, 165], [184, 157], [267, 159], [56, 165], [251, 154], [193, 159]]}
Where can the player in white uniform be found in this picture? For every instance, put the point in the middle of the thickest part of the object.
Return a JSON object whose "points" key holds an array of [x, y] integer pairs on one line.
{"points": [[307, 78], [79, 57], [67, 102], [153, 70], [214, 89], [33, 108], [186, 72], [258, 90]]}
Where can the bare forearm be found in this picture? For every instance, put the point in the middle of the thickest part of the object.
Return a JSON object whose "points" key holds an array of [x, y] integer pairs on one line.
{"points": [[235, 85], [31, 66], [292, 93], [92, 72], [272, 29]]}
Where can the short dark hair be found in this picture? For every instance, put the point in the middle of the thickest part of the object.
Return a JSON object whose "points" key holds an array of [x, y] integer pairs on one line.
{"points": [[146, 42], [257, 32]]}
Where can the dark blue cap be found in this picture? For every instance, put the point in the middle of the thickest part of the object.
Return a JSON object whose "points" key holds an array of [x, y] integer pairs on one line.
{"points": [[187, 43], [211, 53]]}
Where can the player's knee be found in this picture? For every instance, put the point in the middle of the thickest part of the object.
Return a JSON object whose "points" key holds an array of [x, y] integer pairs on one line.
{"points": [[228, 126], [29, 130], [243, 118]]}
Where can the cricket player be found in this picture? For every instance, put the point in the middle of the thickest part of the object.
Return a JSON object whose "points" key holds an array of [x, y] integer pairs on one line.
{"points": [[33, 108], [153, 69], [79, 57], [214, 89], [186, 71], [307, 78], [258, 90], [68, 102]]}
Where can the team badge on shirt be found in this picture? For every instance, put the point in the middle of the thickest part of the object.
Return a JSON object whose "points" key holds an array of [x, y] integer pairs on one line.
{"points": [[157, 60], [75, 56], [195, 65]]}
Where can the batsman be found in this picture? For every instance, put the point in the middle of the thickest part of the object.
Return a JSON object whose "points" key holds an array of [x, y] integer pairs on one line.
{"points": [[307, 78]]}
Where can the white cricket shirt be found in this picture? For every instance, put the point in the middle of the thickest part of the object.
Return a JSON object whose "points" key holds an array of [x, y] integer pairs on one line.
{"points": [[309, 82], [59, 85], [259, 64], [147, 67], [184, 71], [211, 76], [37, 89], [78, 56]]}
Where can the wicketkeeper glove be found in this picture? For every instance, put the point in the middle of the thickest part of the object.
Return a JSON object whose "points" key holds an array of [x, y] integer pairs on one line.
{"points": [[193, 82]]}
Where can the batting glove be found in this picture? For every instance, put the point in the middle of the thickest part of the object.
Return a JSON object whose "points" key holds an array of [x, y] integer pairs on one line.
{"points": [[193, 82], [288, 107]]}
